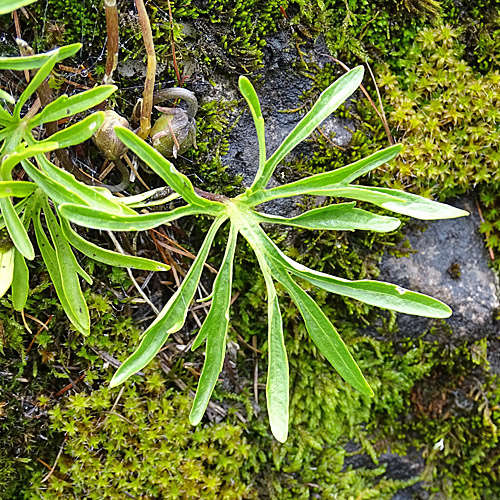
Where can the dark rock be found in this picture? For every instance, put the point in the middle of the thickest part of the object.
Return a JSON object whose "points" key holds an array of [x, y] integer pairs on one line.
{"points": [[450, 263], [279, 92]]}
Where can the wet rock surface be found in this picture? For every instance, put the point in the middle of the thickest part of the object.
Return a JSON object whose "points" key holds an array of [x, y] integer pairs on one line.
{"points": [[400, 467], [279, 88], [450, 263]]}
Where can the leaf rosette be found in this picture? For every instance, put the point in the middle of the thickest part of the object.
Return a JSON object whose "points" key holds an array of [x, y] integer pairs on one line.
{"points": [[245, 221]]}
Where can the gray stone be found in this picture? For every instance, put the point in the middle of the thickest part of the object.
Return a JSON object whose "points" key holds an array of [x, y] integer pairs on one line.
{"points": [[450, 263]]}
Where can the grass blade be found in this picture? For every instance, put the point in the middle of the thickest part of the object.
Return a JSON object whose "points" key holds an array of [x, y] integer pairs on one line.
{"points": [[171, 318], [341, 217], [327, 103], [107, 256], [214, 329]]}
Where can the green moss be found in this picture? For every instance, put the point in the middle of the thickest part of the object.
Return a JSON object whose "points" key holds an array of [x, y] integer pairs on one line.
{"points": [[446, 116], [142, 444], [70, 21]]}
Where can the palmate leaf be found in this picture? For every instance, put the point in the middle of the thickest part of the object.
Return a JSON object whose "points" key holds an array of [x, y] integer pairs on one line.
{"points": [[326, 180], [376, 293], [275, 265], [324, 334]]}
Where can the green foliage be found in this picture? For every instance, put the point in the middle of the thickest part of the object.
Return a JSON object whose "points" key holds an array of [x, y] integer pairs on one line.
{"points": [[7, 6], [18, 144], [452, 417], [274, 264], [71, 21]]}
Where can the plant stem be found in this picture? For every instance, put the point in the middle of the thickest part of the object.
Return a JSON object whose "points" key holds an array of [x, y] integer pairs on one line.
{"points": [[112, 43], [149, 84]]}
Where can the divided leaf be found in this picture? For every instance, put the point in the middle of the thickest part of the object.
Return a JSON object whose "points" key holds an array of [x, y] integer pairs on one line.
{"points": [[327, 103], [214, 329], [340, 217], [171, 317], [20, 63]]}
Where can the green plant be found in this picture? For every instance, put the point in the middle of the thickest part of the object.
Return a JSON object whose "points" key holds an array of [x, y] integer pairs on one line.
{"points": [[18, 144], [10, 5], [274, 264]]}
